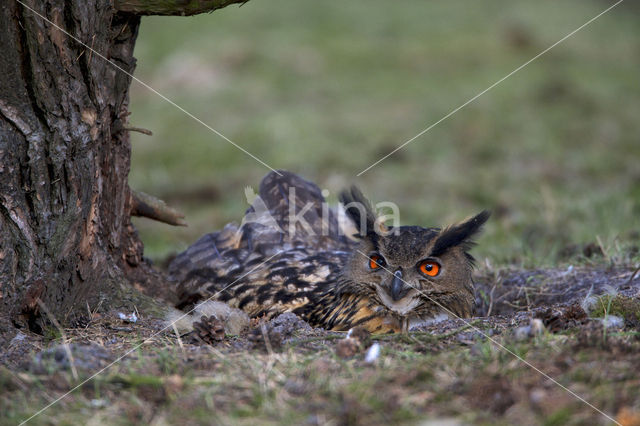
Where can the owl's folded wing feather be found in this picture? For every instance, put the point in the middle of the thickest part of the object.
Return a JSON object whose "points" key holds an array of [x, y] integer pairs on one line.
{"points": [[286, 225], [298, 211]]}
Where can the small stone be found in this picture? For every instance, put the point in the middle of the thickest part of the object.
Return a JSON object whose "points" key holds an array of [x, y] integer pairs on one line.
{"points": [[537, 395], [83, 357], [295, 387], [265, 338], [522, 333], [288, 324], [536, 326], [19, 337], [173, 384], [236, 322], [613, 322], [99, 403], [132, 317]]}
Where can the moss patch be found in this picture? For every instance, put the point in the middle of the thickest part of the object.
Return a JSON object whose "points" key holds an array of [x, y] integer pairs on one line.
{"points": [[621, 306]]}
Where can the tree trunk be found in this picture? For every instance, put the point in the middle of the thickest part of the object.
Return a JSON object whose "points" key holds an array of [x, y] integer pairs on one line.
{"points": [[66, 239], [65, 235]]}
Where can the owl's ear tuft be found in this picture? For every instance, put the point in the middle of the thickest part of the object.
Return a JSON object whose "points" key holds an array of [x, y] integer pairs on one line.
{"points": [[461, 233], [359, 209]]}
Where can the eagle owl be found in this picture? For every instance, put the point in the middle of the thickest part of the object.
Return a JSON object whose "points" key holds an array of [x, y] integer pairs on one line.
{"points": [[291, 254]]}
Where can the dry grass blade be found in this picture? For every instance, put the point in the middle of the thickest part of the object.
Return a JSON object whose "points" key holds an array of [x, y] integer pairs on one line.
{"points": [[65, 341]]}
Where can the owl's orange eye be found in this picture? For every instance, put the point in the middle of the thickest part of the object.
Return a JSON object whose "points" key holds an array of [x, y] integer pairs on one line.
{"points": [[429, 268], [376, 261]]}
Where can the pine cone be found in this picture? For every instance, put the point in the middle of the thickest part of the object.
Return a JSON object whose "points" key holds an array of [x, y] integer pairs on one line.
{"points": [[348, 347], [209, 329], [558, 319], [356, 341], [361, 335], [257, 338]]}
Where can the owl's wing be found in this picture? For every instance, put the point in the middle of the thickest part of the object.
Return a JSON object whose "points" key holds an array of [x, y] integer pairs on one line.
{"points": [[292, 210], [286, 225], [207, 252]]}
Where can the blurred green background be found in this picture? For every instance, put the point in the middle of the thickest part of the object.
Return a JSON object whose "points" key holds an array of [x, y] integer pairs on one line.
{"points": [[327, 88]]}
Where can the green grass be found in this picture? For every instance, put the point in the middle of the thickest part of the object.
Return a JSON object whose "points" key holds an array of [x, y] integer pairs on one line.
{"points": [[327, 88], [621, 306], [408, 384]]}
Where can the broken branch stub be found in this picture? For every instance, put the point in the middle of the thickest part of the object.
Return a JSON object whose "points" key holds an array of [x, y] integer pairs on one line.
{"points": [[171, 7], [145, 205]]}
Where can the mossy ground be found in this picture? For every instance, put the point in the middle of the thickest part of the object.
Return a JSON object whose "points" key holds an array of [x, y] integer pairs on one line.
{"points": [[456, 370]]}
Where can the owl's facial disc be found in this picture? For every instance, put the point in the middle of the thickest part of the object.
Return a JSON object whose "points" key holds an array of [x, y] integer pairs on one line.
{"points": [[403, 306], [394, 292], [412, 271], [394, 281]]}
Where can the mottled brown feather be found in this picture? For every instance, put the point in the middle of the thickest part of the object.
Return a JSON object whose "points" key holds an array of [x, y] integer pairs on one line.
{"points": [[265, 268]]}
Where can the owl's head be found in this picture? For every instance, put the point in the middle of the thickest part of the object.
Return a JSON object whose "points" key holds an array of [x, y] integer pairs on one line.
{"points": [[410, 271]]}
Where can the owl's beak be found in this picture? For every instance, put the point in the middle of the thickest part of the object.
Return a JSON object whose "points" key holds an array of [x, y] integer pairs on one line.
{"points": [[398, 288]]}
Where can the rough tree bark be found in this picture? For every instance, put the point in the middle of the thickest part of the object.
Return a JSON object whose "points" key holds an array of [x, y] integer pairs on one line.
{"points": [[66, 237]]}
